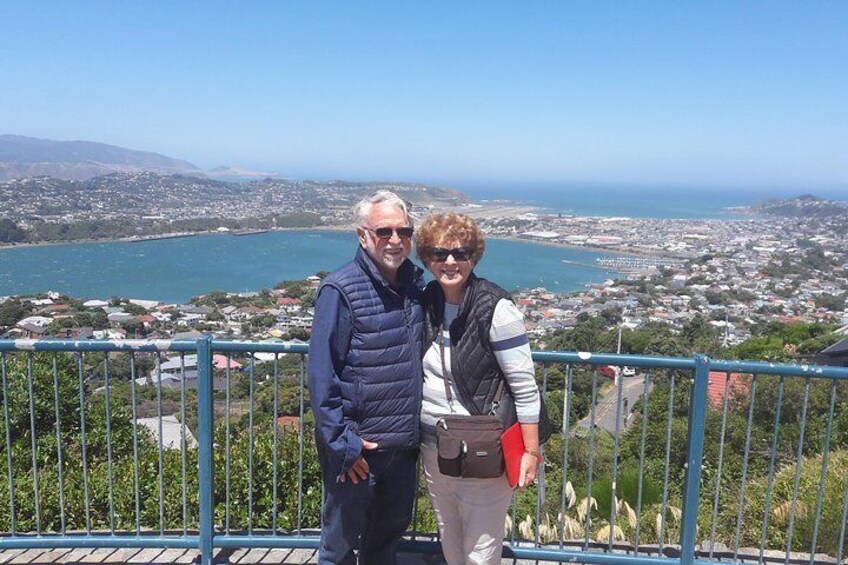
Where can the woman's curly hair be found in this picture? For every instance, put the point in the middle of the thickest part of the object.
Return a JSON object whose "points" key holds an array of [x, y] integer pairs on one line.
{"points": [[441, 230]]}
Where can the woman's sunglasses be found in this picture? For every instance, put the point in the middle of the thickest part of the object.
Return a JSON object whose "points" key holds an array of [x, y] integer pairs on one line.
{"points": [[386, 233], [441, 254]]}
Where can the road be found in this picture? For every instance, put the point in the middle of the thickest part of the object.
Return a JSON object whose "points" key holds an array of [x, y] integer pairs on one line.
{"points": [[605, 410]]}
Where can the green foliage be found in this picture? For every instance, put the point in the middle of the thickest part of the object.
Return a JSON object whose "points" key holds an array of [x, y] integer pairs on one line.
{"points": [[13, 310], [302, 290], [832, 302], [627, 488], [249, 447], [780, 506], [10, 232], [781, 342]]}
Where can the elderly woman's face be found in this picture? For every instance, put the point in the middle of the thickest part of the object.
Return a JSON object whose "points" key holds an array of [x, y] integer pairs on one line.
{"points": [[451, 264]]}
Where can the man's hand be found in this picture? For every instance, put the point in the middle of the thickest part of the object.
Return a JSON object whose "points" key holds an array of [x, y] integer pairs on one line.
{"points": [[359, 470]]}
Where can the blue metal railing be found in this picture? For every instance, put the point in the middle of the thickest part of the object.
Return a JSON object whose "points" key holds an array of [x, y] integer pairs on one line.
{"points": [[93, 460]]}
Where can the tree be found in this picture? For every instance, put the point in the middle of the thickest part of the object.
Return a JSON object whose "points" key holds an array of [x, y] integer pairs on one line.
{"points": [[10, 232], [11, 311]]}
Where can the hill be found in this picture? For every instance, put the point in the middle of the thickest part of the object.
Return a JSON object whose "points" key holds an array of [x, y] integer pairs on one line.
{"points": [[143, 203], [22, 157], [804, 206]]}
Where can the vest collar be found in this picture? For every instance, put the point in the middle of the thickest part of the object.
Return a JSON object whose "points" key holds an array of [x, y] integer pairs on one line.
{"points": [[467, 301], [408, 273]]}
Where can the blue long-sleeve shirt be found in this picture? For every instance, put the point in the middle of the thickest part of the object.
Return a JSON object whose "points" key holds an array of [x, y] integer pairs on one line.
{"points": [[328, 347]]}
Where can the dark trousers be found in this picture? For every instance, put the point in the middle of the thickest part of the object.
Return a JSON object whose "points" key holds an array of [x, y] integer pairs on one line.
{"points": [[372, 515]]}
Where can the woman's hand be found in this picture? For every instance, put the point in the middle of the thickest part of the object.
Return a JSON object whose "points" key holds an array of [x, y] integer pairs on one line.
{"points": [[527, 474]]}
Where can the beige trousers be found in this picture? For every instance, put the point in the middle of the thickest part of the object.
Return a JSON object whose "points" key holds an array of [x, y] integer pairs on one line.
{"points": [[470, 513]]}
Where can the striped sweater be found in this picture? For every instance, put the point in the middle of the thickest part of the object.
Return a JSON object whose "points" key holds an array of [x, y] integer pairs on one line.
{"points": [[512, 352]]}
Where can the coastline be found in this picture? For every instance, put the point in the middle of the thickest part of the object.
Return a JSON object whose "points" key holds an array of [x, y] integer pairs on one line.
{"points": [[158, 237], [331, 228], [594, 248]]}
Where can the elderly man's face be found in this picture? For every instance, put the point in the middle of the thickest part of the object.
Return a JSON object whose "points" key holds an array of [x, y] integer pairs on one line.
{"points": [[387, 252]]}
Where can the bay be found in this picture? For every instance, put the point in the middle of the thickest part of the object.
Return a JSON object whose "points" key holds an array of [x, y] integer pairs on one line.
{"points": [[174, 270], [689, 202]]}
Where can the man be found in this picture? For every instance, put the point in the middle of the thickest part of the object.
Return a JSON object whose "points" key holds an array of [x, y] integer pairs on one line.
{"points": [[365, 382]]}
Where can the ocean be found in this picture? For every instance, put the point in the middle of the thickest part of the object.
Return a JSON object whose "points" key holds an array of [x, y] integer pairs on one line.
{"points": [[174, 270], [634, 202]]}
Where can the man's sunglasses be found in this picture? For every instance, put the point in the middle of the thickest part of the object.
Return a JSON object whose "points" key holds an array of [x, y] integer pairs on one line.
{"points": [[441, 254], [386, 233]]}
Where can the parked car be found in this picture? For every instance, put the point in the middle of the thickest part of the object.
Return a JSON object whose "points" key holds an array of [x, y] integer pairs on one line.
{"points": [[608, 371], [629, 371]]}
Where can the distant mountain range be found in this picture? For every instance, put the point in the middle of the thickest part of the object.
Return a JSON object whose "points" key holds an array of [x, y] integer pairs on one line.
{"points": [[22, 157]]}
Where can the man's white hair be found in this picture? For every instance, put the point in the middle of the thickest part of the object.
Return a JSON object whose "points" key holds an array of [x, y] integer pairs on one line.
{"points": [[362, 210]]}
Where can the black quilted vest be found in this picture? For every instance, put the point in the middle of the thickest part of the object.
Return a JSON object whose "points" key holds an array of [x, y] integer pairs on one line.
{"points": [[475, 370]]}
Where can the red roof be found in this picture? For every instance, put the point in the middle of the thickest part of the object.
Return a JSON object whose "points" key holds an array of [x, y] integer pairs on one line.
{"points": [[289, 422], [288, 301], [220, 362], [739, 384]]}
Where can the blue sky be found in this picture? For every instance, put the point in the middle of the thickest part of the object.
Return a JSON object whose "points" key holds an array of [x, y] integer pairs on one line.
{"points": [[731, 94]]}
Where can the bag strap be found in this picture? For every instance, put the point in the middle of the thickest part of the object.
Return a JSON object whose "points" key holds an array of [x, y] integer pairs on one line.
{"points": [[499, 393], [445, 377]]}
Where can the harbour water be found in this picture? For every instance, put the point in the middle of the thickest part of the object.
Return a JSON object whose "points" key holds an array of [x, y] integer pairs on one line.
{"points": [[174, 270]]}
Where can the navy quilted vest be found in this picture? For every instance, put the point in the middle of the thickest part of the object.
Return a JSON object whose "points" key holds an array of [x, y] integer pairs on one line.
{"points": [[382, 378]]}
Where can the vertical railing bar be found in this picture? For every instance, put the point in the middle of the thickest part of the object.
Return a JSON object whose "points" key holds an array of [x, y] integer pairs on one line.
{"points": [[772, 459], [511, 512], [841, 544], [724, 406], [540, 479], [825, 457], [109, 468], [276, 432], [60, 463], [205, 455], [83, 435], [12, 524], [743, 483], [566, 409], [513, 526], [183, 443], [591, 462], [251, 376], [34, 445], [698, 399], [161, 445], [642, 442], [323, 501], [414, 535], [300, 449], [136, 486], [796, 479], [664, 507], [227, 449], [614, 498]]}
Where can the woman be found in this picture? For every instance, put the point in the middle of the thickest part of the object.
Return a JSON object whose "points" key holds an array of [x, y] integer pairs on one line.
{"points": [[475, 333]]}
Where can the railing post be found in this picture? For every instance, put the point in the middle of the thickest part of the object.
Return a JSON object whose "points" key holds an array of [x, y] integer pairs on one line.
{"points": [[694, 459], [205, 428]]}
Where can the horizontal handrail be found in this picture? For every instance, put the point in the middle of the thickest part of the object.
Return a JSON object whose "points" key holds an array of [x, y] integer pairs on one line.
{"points": [[565, 357]]}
